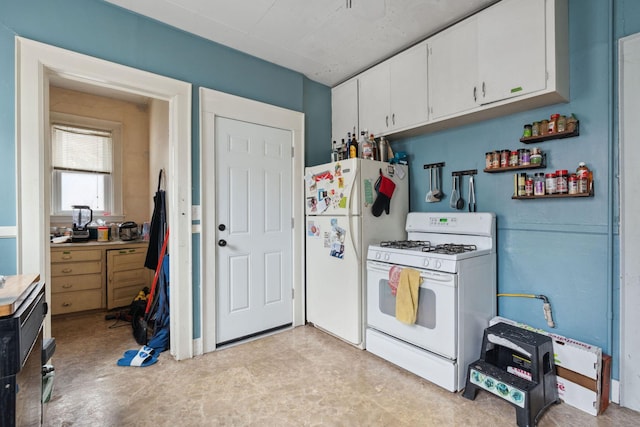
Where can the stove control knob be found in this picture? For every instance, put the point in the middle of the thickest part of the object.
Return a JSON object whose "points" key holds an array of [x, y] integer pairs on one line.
{"points": [[386, 257], [438, 264], [378, 255], [426, 262]]}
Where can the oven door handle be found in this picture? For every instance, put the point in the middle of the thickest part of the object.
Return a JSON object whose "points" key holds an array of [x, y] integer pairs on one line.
{"points": [[434, 276]]}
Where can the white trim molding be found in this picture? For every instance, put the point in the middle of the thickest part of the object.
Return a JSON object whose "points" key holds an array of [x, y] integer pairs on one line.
{"points": [[35, 62], [8, 232]]}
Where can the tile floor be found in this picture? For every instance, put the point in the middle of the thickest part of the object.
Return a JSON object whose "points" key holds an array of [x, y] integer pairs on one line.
{"points": [[300, 377]]}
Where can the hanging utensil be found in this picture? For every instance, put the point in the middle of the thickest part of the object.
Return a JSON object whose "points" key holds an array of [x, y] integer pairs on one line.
{"points": [[429, 197], [437, 192], [454, 193], [460, 202], [472, 195]]}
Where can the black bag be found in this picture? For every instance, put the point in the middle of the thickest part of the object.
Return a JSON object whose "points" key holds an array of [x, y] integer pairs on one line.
{"points": [[138, 320]]}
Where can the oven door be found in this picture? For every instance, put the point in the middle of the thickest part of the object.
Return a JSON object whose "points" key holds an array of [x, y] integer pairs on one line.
{"points": [[435, 327]]}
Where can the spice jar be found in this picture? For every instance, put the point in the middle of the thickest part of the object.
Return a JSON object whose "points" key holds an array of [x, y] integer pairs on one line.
{"points": [[487, 160], [562, 181], [535, 129], [544, 127], [524, 156], [522, 181], [536, 156], [562, 124], [513, 158], [504, 158], [583, 177], [553, 123], [550, 183], [572, 123], [527, 131], [538, 184], [573, 184], [495, 159], [528, 187]]}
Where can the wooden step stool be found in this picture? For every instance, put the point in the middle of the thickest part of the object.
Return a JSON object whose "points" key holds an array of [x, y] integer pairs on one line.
{"points": [[516, 365]]}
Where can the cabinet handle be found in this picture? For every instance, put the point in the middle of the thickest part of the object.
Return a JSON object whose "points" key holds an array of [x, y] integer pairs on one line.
{"points": [[67, 257], [484, 92], [66, 304], [67, 270], [393, 119], [387, 120], [67, 286], [475, 93], [131, 251]]}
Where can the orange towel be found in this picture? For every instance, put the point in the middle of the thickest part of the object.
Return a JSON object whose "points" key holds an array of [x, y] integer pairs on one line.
{"points": [[407, 296]]}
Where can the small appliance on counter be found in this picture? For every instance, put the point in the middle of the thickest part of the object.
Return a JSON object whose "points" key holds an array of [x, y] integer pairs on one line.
{"points": [[81, 216], [128, 231]]}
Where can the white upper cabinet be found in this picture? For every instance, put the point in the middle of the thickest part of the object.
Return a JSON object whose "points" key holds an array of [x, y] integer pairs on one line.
{"points": [[344, 109], [374, 99], [393, 94], [511, 49], [453, 70], [408, 82]]}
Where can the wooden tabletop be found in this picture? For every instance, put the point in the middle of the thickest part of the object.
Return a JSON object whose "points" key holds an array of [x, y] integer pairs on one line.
{"points": [[14, 291]]}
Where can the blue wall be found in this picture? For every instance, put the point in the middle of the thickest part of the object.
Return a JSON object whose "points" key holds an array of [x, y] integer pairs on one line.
{"points": [[99, 29], [566, 249]]}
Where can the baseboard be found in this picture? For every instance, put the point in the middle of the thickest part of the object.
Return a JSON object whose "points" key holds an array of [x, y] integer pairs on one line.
{"points": [[198, 349], [615, 391]]}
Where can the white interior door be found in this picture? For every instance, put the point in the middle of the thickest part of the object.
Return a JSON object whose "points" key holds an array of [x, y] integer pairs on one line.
{"points": [[253, 209], [630, 225]]}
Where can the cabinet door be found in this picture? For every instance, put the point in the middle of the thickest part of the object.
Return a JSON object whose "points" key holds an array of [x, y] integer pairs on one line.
{"points": [[344, 109], [453, 70], [408, 88], [374, 99], [511, 49]]}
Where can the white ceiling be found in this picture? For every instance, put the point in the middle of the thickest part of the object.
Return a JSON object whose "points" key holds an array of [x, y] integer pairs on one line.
{"points": [[322, 39]]}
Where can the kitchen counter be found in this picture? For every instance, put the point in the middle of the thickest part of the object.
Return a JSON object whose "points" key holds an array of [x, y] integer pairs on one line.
{"points": [[15, 290]]}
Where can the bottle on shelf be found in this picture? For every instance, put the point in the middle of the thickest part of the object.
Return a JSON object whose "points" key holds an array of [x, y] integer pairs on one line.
{"points": [[584, 178]]}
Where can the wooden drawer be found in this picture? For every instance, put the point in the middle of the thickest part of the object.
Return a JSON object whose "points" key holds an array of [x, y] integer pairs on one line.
{"points": [[69, 302], [80, 282], [127, 259], [76, 255], [73, 268]]}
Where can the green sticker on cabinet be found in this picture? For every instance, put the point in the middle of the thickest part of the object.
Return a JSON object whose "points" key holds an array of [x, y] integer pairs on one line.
{"points": [[516, 89]]}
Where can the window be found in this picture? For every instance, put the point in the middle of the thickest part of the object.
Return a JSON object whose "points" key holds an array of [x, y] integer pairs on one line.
{"points": [[85, 165]]}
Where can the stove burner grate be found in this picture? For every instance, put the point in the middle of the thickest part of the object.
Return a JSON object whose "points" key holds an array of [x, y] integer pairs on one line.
{"points": [[449, 248], [405, 244]]}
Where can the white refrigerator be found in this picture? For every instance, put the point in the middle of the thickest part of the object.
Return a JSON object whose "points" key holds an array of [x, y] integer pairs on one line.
{"points": [[340, 225]]}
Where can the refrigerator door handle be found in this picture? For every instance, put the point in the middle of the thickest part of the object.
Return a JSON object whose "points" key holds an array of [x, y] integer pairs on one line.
{"points": [[350, 218]]}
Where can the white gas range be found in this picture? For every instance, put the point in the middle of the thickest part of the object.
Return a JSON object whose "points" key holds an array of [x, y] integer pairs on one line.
{"points": [[455, 254]]}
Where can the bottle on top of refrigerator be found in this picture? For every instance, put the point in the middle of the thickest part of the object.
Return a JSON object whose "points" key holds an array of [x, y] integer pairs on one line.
{"points": [[343, 151], [353, 147], [383, 149], [374, 147], [367, 148], [335, 155]]}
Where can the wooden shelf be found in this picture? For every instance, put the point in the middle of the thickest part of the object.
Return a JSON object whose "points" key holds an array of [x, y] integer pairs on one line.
{"points": [[515, 168], [550, 136], [553, 196]]}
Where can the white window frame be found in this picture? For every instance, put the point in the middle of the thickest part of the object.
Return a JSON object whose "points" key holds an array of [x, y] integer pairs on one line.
{"points": [[116, 211]]}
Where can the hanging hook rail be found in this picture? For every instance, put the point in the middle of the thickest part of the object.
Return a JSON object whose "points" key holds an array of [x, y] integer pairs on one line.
{"points": [[467, 172], [434, 165]]}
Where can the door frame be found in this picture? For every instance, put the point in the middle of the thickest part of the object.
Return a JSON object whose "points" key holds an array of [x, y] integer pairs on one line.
{"points": [[629, 182], [35, 62], [214, 103]]}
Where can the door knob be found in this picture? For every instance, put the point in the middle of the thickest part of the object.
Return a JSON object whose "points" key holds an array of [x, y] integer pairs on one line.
{"points": [[222, 227], [222, 242]]}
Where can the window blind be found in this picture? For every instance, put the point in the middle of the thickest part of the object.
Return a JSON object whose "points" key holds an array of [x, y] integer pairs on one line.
{"points": [[81, 149]]}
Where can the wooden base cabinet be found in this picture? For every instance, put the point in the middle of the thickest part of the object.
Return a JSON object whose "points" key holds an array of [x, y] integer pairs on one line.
{"points": [[126, 275], [76, 280], [90, 276]]}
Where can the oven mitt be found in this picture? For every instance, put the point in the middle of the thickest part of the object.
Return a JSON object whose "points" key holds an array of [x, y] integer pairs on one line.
{"points": [[384, 187]]}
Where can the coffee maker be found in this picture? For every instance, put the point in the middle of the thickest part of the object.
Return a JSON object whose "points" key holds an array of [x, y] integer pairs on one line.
{"points": [[82, 216]]}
